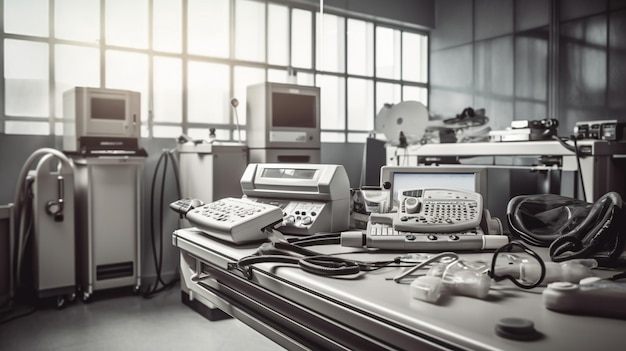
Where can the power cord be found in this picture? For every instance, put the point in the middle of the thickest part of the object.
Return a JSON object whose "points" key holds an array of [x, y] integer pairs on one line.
{"points": [[577, 153], [293, 251], [23, 302], [158, 257]]}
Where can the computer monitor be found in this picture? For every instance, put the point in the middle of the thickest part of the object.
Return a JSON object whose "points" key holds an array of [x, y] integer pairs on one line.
{"points": [[468, 178], [101, 118], [283, 116]]}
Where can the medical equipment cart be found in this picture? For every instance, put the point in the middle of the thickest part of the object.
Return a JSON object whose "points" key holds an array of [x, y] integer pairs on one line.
{"points": [[108, 199]]}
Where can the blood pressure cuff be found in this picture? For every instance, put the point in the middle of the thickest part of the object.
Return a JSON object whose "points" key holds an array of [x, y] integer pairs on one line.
{"points": [[571, 228]]}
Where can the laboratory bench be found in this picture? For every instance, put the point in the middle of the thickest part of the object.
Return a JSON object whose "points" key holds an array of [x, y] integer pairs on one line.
{"points": [[368, 311]]}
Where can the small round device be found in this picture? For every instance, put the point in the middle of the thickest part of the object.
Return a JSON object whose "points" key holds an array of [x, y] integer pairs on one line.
{"points": [[517, 329]]}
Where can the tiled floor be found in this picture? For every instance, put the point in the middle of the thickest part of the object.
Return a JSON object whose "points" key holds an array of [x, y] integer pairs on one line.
{"points": [[123, 321]]}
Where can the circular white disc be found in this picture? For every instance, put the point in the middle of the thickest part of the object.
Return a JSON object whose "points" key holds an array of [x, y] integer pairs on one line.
{"points": [[408, 117]]}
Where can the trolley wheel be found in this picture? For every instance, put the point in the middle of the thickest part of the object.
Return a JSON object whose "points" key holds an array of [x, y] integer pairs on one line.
{"points": [[60, 302], [137, 289], [70, 297], [86, 296]]}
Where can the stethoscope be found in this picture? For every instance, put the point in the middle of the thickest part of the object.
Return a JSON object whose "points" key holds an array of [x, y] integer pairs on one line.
{"points": [[293, 251]]}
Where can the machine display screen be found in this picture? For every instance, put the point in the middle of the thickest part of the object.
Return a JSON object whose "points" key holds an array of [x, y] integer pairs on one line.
{"points": [[460, 181], [113, 109], [294, 110], [284, 173]]}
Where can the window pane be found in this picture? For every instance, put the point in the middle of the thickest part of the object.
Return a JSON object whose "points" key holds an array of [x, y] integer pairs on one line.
{"points": [[208, 27], [127, 23], [278, 76], [331, 44], [360, 104], [387, 53], [304, 78], [168, 94], [26, 78], [72, 72], [301, 38], [168, 25], [360, 47], [245, 76], [208, 98], [203, 134], [278, 31], [167, 132], [357, 137], [129, 71], [28, 17], [387, 93], [414, 57], [27, 128], [77, 20], [333, 105], [328, 137], [415, 94], [282, 76], [250, 30]]}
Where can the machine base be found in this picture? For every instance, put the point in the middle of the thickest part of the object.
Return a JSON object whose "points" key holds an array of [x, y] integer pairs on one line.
{"points": [[212, 314]]}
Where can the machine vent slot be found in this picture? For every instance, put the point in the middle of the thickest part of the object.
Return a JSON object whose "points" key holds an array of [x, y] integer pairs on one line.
{"points": [[114, 270], [294, 158]]}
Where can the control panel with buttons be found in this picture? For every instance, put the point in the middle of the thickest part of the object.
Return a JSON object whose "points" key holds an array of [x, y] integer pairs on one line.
{"points": [[438, 210], [384, 236], [301, 217]]}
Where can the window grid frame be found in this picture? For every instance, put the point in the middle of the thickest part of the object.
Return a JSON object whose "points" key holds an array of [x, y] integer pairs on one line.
{"points": [[232, 62]]}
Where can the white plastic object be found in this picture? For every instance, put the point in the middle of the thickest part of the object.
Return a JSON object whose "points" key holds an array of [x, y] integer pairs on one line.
{"points": [[467, 278], [469, 283], [569, 271], [596, 297], [427, 288]]}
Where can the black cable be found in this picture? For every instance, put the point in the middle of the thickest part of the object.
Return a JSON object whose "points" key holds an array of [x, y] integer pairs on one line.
{"points": [[317, 239], [308, 260], [175, 168], [580, 173], [158, 257], [160, 260], [576, 152], [24, 294], [508, 248]]}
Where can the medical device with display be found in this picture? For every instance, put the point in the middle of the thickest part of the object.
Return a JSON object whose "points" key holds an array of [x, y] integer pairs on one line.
{"points": [[313, 197], [429, 220], [283, 116], [466, 178], [101, 119]]}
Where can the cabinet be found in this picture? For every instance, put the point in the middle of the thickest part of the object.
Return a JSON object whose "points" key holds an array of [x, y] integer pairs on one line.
{"points": [[108, 225]]}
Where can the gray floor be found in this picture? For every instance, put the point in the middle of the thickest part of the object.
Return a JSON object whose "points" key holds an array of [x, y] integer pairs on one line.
{"points": [[123, 321]]}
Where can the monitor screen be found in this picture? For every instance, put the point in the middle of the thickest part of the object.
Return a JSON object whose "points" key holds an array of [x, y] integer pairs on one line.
{"points": [[398, 178], [294, 110], [103, 108], [290, 173]]}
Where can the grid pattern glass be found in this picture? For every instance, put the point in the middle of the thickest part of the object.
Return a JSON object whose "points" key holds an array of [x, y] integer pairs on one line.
{"points": [[189, 58]]}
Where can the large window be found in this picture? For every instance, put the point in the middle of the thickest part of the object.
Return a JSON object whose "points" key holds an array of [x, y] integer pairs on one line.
{"points": [[190, 58]]}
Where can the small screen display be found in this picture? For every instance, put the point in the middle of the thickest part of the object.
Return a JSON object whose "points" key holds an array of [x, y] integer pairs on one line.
{"points": [[294, 110], [289, 173], [460, 181], [113, 109]]}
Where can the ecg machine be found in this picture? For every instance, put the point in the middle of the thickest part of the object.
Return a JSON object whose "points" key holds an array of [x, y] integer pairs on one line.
{"points": [[313, 197], [468, 178]]}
